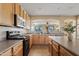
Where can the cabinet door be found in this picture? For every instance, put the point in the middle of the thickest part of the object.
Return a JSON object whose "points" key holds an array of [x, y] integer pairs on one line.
{"points": [[18, 49], [17, 9], [7, 53], [1, 15], [22, 13], [36, 39], [64, 52], [6, 15], [46, 40], [30, 41], [25, 15], [55, 49], [42, 39], [50, 48]]}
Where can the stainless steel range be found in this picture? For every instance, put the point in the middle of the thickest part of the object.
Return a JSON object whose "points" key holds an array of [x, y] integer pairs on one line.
{"points": [[16, 35]]}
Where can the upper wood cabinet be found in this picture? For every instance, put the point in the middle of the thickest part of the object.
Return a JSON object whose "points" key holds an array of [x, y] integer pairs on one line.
{"points": [[17, 8], [7, 11], [6, 14], [22, 13], [28, 17], [25, 15]]}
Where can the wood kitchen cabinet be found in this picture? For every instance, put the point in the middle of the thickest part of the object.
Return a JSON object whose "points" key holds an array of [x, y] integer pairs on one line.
{"points": [[46, 40], [55, 48], [40, 39], [64, 52], [50, 48], [18, 49], [30, 42], [7, 53], [28, 17], [25, 15], [22, 12], [6, 14], [17, 8], [36, 39]]}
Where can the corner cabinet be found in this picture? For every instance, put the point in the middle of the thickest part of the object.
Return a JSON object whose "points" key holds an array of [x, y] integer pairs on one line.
{"points": [[6, 14]]}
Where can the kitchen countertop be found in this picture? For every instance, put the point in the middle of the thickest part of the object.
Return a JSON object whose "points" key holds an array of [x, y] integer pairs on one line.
{"points": [[51, 34], [6, 44], [72, 46]]}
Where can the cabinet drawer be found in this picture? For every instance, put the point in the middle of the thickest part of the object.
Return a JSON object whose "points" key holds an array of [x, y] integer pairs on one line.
{"points": [[64, 52], [18, 46], [7, 53]]}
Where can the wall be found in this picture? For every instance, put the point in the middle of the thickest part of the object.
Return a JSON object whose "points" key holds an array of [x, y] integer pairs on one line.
{"points": [[4, 29]]}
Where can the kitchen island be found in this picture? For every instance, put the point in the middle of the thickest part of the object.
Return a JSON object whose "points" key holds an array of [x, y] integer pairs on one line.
{"points": [[70, 46]]}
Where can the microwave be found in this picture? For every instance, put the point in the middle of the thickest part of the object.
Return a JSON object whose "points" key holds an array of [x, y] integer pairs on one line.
{"points": [[19, 21]]}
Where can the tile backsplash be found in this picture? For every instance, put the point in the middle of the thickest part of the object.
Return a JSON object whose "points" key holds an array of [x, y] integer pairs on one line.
{"points": [[4, 29]]}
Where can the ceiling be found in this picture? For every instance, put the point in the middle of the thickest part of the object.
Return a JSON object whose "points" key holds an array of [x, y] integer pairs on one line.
{"points": [[56, 9]]}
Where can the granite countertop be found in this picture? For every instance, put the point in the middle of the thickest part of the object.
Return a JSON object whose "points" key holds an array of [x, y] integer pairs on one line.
{"points": [[72, 46], [6, 44], [51, 34]]}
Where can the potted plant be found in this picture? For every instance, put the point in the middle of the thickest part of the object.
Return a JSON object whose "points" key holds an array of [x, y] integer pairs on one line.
{"points": [[69, 28]]}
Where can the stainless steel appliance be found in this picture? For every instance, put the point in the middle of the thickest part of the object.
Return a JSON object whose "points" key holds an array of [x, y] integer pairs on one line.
{"points": [[19, 21], [16, 35]]}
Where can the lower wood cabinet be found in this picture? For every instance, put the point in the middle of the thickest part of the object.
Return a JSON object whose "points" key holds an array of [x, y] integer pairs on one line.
{"points": [[40, 39], [7, 53], [50, 48], [64, 52], [56, 49], [35, 39], [18, 49], [30, 42]]}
